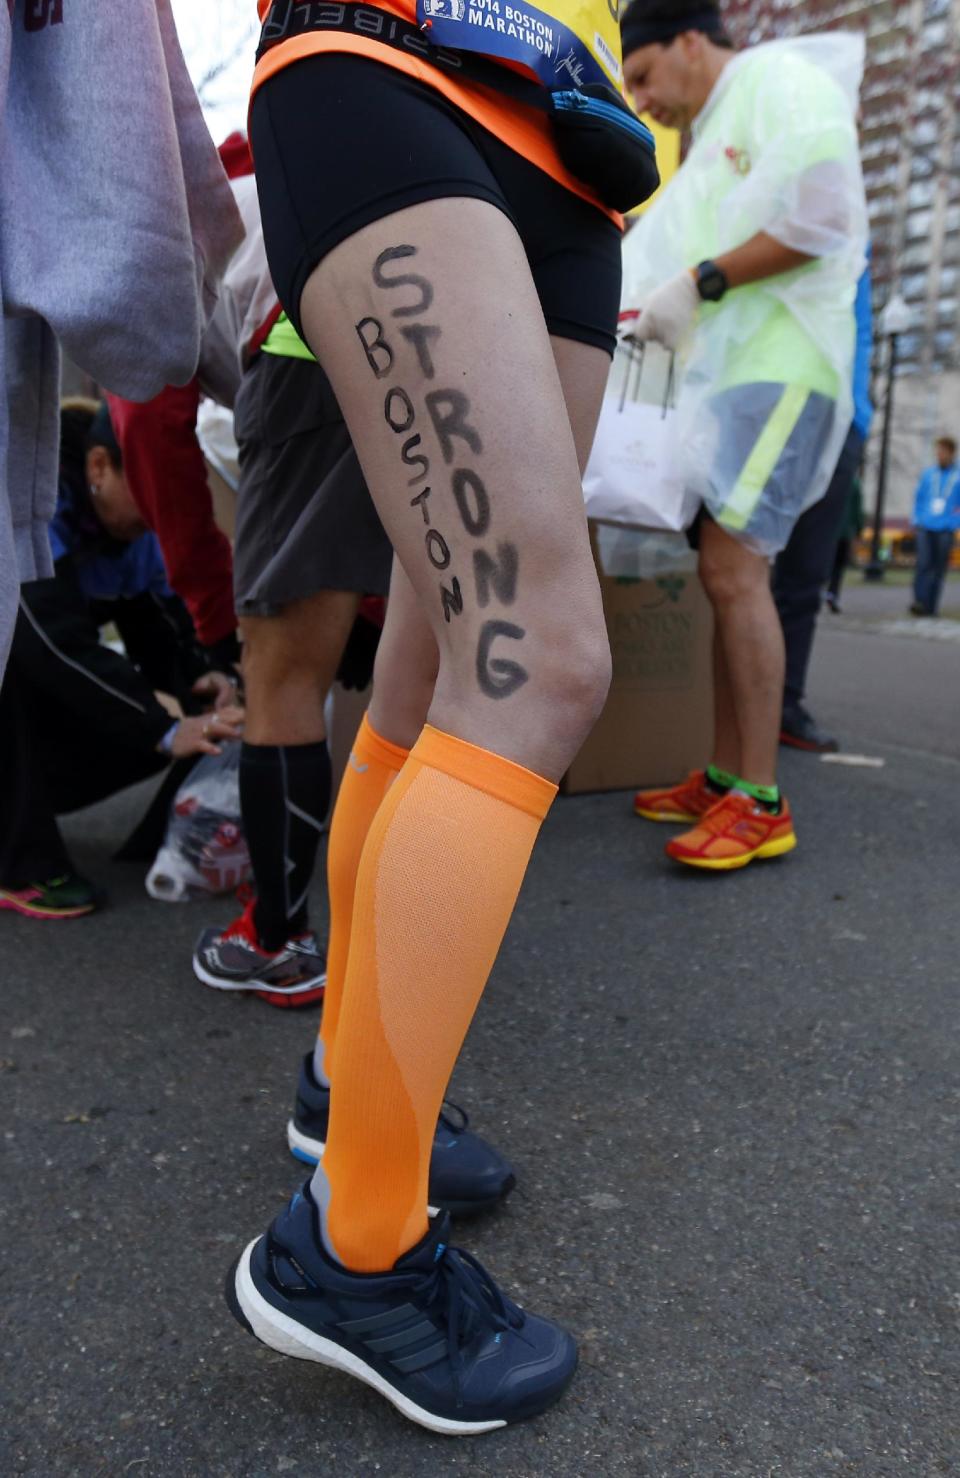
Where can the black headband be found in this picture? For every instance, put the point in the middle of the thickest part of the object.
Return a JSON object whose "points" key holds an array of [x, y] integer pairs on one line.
{"points": [[638, 30]]}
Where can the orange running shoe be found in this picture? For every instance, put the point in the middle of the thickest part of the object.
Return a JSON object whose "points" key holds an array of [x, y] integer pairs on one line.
{"points": [[687, 801], [734, 831]]}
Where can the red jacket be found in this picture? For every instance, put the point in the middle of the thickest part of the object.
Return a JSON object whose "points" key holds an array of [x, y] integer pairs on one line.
{"points": [[167, 476]]}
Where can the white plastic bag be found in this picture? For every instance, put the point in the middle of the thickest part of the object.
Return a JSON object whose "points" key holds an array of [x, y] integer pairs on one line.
{"points": [[633, 476], [204, 850], [217, 441]]}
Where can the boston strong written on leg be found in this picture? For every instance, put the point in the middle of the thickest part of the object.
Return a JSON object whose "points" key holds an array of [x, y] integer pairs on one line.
{"points": [[495, 565]]}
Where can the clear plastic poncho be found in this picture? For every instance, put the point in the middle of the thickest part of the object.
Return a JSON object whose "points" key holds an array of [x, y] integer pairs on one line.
{"points": [[765, 395]]}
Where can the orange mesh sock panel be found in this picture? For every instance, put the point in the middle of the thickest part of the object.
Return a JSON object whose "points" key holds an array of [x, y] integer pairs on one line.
{"points": [[438, 880], [372, 768]]}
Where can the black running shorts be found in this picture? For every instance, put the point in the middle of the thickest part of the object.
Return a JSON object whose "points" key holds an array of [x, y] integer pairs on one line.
{"points": [[305, 520], [341, 141]]}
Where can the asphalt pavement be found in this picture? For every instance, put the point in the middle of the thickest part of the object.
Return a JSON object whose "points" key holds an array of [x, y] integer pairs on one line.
{"points": [[733, 1103]]}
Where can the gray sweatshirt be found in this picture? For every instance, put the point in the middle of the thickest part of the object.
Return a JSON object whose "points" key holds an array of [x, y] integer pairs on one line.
{"points": [[116, 225]]}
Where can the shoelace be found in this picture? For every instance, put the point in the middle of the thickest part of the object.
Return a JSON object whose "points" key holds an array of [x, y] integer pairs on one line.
{"points": [[473, 1303], [718, 818], [457, 1281]]}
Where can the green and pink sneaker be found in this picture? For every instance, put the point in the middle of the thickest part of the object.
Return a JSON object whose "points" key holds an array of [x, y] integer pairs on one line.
{"points": [[67, 897]]}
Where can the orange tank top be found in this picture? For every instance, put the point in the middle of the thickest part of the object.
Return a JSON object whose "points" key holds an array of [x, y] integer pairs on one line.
{"points": [[525, 130]]}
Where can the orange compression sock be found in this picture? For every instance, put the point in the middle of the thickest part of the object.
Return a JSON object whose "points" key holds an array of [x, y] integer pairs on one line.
{"points": [[438, 880], [372, 768]]}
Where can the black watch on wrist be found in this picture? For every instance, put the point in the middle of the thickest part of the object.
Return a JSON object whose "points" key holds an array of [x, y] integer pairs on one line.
{"points": [[711, 281]]}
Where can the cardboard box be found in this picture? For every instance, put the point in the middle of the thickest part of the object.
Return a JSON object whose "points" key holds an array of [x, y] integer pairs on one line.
{"points": [[657, 723]]}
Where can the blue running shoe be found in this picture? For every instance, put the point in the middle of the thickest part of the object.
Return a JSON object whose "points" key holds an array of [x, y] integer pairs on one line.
{"points": [[467, 1175], [435, 1335]]}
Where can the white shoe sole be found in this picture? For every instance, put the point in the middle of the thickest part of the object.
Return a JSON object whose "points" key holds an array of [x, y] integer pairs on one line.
{"points": [[290, 1338], [310, 1151], [203, 974]]}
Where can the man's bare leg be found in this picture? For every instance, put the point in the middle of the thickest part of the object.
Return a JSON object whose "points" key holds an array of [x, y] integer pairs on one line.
{"points": [[405, 671], [289, 663], [752, 820], [737, 582], [726, 731]]}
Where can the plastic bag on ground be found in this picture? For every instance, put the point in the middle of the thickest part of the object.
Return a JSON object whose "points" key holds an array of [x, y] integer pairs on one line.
{"points": [[204, 850]]}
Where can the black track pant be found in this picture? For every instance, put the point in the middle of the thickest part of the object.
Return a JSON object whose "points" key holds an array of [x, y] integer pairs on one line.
{"points": [[802, 569], [48, 767]]}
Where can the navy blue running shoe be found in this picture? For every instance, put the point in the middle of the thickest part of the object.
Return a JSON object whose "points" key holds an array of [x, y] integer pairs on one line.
{"points": [[435, 1335], [467, 1175]]}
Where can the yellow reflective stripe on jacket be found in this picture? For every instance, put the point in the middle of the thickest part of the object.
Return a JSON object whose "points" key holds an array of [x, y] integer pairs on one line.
{"points": [[739, 508]]}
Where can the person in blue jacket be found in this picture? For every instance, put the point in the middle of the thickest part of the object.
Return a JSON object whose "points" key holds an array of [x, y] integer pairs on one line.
{"points": [[936, 518]]}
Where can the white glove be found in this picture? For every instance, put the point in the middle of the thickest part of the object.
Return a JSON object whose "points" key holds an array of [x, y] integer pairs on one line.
{"points": [[667, 314]]}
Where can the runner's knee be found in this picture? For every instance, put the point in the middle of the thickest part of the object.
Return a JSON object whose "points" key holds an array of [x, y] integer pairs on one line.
{"points": [[731, 575], [555, 681], [276, 656], [579, 681]]}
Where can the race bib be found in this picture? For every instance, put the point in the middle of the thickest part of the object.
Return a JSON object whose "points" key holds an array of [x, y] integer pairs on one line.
{"points": [[569, 44], [938, 506]]}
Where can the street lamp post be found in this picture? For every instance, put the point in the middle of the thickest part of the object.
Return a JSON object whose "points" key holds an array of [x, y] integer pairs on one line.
{"points": [[895, 319]]}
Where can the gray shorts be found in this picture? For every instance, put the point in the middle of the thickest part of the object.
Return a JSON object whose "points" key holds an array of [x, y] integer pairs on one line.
{"points": [[305, 521], [768, 440]]}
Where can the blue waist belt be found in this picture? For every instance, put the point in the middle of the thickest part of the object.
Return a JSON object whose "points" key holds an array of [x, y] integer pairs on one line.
{"points": [[599, 139]]}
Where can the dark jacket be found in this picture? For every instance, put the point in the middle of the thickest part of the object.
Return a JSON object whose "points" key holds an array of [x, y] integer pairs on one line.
{"points": [[64, 666]]}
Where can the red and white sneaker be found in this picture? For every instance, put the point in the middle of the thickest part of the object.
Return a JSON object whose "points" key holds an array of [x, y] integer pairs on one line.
{"points": [[233, 959]]}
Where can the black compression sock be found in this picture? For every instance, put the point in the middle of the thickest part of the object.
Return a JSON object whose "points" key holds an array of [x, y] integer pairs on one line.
{"points": [[284, 798]]}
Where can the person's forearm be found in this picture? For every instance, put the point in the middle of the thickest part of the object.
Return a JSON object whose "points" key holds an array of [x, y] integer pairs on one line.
{"points": [[760, 257]]}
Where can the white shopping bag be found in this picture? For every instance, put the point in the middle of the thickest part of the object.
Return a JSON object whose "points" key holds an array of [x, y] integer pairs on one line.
{"points": [[633, 475]]}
